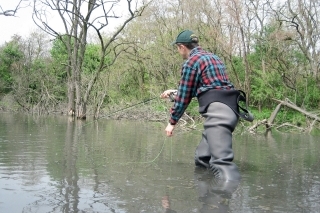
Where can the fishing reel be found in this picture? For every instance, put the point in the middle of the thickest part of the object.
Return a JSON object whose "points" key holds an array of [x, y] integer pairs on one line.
{"points": [[172, 96]]}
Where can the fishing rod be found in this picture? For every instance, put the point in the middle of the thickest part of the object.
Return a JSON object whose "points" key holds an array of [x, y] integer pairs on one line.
{"points": [[171, 98], [142, 102], [111, 113]]}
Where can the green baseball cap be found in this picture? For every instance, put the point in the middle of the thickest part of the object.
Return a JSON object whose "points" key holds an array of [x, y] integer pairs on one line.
{"points": [[186, 36]]}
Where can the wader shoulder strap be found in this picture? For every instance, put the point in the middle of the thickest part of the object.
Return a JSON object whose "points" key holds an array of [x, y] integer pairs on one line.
{"points": [[244, 113]]}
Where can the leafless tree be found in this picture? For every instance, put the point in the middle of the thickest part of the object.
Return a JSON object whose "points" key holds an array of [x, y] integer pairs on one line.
{"points": [[12, 12], [302, 18], [78, 17]]}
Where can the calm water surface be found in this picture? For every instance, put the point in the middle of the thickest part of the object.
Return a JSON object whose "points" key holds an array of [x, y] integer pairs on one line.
{"points": [[53, 164]]}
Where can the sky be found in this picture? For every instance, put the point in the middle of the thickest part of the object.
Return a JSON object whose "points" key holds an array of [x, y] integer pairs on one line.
{"points": [[22, 24]]}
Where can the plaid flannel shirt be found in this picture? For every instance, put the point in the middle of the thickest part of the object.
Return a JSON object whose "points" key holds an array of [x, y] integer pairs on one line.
{"points": [[202, 71]]}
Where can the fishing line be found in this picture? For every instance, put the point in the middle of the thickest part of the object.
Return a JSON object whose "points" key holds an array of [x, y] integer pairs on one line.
{"points": [[151, 161], [164, 141], [171, 98], [122, 109]]}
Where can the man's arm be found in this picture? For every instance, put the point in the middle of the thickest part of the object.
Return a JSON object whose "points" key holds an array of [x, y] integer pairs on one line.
{"points": [[186, 91]]}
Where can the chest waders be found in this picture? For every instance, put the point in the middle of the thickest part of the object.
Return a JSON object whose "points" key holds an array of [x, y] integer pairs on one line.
{"points": [[215, 148]]}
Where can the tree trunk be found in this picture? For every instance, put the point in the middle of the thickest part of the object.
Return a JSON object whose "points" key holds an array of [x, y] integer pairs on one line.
{"points": [[80, 101], [81, 109], [71, 103]]}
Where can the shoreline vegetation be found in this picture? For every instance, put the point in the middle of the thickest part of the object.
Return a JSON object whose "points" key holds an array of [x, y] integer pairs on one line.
{"points": [[286, 117]]}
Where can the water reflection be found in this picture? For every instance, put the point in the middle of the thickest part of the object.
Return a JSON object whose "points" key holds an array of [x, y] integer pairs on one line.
{"points": [[214, 195], [69, 188], [165, 201], [54, 164]]}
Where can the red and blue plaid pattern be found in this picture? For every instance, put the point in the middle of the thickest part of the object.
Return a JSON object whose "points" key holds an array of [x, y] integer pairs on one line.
{"points": [[201, 72]]}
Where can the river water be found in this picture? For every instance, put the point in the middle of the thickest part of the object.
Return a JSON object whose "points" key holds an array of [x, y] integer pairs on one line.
{"points": [[54, 164]]}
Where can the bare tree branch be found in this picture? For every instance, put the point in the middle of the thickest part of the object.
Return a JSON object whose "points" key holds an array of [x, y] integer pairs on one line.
{"points": [[12, 12], [77, 17]]}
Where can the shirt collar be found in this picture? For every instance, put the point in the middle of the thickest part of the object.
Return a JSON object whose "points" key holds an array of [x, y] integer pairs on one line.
{"points": [[195, 50]]}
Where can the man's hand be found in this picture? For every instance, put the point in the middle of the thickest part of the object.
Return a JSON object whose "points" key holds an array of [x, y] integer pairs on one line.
{"points": [[166, 93], [169, 130]]}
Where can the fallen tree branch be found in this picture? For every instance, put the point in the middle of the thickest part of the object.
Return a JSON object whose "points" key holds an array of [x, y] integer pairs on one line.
{"points": [[256, 125], [295, 107], [290, 125], [273, 116], [287, 103], [311, 126]]}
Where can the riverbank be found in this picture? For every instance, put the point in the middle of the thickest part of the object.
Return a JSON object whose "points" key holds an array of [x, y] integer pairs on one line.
{"points": [[286, 119]]}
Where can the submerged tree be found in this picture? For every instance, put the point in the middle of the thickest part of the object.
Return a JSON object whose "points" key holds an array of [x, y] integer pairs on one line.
{"points": [[77, 18]]}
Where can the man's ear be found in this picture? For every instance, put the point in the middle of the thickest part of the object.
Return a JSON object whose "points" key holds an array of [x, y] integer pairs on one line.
{"points": [[183, 46]]}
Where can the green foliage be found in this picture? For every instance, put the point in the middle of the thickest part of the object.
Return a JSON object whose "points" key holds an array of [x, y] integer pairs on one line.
{"points": [[264, 87], [284, 115], [264, 114], [238, 66], [290, 116], [92, 59], [161, 107], [193, 108], [59, 51], [308, 93], [60, 60], [10, 54]]}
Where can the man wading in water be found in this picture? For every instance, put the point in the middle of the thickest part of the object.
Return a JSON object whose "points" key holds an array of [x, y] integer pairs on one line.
{"points": [[203, 76]]}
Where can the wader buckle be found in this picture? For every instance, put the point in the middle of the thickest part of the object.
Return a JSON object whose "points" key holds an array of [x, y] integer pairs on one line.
{"points": [[244, 113]]}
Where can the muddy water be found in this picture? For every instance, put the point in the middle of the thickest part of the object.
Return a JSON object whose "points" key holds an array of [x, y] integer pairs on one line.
{"points": [[53, 164]]}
